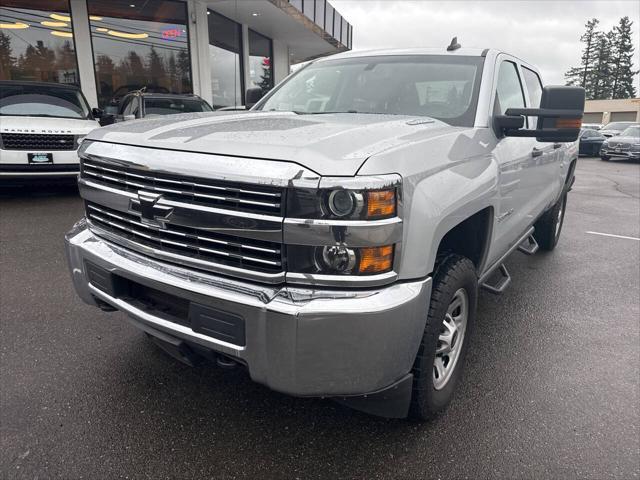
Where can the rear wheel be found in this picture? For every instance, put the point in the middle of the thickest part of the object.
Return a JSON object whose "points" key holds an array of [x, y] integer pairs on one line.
{"points": [[548, 227], [441, 356]]}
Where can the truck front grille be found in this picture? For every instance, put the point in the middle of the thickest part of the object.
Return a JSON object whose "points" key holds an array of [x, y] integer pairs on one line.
{"points": [[227, 195], [215, 248], [32, 141]]}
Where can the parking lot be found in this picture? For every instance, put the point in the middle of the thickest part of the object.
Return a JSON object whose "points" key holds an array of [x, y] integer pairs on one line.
{"points": [[551, 385]]}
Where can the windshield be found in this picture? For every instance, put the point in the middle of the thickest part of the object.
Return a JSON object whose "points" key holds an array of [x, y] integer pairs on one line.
{"points": [[616, 126], [168, 106], [445, 88], [42, 101], [631, 132]]}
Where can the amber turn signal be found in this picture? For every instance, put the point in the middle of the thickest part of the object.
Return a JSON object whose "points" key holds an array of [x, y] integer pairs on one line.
{"points": [[568, 123], [381, 203], [375, 259]]}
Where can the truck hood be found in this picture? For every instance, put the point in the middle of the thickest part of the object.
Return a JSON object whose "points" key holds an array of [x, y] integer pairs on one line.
{"points": [[46, 125], [329, 144]]}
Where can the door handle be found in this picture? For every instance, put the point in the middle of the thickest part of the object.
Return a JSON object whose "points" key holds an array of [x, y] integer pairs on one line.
{"points": [[557, 145], [536, 152]]}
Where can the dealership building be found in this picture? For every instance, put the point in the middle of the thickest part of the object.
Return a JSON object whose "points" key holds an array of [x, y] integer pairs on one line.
{"points": [[213, 48]]}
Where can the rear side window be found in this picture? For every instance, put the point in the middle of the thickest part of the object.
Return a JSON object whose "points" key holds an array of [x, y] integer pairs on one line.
{"points": [[509, 92]]}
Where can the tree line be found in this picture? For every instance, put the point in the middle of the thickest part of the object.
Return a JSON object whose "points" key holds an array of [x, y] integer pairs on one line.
{"points": [[606, 66]]}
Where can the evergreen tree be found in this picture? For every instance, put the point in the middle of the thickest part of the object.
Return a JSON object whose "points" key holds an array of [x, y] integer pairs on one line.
{"points": [[172, 71], [601, 85], [7, 62], [622, 49], [184, 70], [581, 75], [155, 66], [265, 80]]}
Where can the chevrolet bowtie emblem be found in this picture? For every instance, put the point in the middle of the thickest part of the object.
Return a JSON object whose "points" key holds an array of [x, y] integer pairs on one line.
{"points": [[150, 212]]}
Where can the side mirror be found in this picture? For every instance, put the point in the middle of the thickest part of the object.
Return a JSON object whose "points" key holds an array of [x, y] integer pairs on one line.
{"points": [[107, 119], [97, 112], [559, 116], [253, 95]]}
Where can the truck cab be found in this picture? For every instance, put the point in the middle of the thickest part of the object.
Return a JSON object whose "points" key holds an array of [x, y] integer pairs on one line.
{"points": [[332, 240]]}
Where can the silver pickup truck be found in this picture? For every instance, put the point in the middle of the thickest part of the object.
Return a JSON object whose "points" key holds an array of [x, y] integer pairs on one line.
{"points": [[332, 240]]}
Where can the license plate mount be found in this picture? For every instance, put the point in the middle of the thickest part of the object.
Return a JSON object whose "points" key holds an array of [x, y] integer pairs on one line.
{"points": [[40, 158]]}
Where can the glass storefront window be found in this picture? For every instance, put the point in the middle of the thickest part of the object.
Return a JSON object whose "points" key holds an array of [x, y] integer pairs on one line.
{"points": [[320, 12], [139, 45], [36, 41], [260, 61], [328, 23], [225, 52]]}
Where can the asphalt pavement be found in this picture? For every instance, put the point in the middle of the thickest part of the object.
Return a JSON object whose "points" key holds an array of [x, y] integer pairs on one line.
{"points": [[551, 388]]}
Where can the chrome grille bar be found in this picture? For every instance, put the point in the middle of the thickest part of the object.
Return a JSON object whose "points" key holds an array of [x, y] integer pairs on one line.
{"points": [[189, 242], [266, 200]]}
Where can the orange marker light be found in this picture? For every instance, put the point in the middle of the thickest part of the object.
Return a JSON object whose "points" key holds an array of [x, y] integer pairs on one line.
{"points": [[381, 203], [375, 259], [568, 123]]}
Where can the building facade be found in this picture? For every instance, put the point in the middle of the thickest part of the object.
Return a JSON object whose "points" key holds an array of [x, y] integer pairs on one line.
{"points": [[605, 111], [214, 48]]}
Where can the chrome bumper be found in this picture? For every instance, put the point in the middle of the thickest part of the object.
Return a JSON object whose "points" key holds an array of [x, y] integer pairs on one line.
{"points": [[304, 342], [632, 154]]}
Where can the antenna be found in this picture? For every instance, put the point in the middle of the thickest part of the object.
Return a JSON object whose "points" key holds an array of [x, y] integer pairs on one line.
{"points": [[454, 45]]}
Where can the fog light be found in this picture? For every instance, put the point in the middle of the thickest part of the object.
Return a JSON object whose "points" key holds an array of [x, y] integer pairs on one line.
{"points": [[338, 258]]}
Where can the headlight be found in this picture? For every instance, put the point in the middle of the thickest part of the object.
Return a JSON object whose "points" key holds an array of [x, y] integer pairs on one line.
{"points": [[79, 139], [346, 202], [342, 203]]}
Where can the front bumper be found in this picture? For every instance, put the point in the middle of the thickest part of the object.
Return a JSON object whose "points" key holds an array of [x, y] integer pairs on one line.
{"points": [[303, 342], [15, 164], [613, 153]]}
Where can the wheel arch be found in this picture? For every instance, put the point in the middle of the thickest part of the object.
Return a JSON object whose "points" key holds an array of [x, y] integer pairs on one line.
{"points": [[469, 238]]}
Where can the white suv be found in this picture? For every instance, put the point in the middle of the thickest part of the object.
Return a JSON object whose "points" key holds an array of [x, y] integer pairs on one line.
{"points": [[41, 126]]}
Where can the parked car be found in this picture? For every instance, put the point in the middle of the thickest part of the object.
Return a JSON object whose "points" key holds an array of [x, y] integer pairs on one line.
{"points": [[120, 92], [590, 142], [41, 127], [333, 239], [626, 145], [615, 128], [592, 126], [142, 105]]}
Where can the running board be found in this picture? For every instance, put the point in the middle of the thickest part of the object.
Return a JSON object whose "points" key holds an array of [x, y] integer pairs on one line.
{"points": [[529, 246], [501, 284]]}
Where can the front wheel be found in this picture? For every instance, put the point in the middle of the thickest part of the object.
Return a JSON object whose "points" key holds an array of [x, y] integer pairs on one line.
{"points": [[605, 158], [548, 227], [450, 320]]}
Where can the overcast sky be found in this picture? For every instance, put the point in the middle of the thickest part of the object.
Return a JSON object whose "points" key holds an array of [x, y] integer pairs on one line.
{"points": [[546, 33]]}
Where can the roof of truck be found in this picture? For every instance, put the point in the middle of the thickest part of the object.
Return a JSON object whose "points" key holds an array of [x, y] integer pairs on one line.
{"points": [[460, 52], [473, 52]]}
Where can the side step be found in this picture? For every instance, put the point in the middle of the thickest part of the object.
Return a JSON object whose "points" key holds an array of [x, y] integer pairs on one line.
{"points": [[529, 246], [501, 283]]}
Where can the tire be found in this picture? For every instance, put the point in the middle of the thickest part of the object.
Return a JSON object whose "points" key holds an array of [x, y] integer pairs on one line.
{"points": [[605, 158], [549, 226], [431, 395]]}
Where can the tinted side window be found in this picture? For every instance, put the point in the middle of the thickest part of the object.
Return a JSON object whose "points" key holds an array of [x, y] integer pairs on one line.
{"points": [[534, 86], [509, 93]]}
